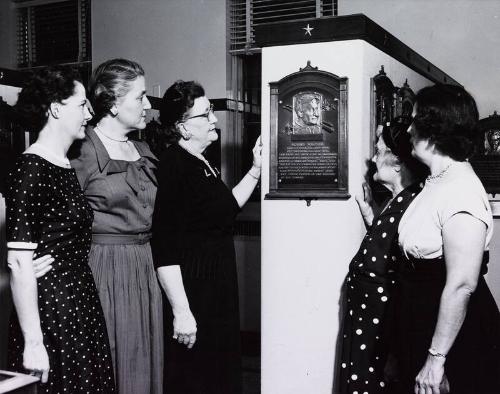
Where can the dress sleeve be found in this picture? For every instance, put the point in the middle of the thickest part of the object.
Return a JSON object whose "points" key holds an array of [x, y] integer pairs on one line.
{"points": [[169, 216], [236, 209], [83, 159], [24, 198], [468, 201]]}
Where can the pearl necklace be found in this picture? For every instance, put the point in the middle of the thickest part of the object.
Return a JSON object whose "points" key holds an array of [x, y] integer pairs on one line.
{"points": [[200, 157], [440, 175], [98, 129]]}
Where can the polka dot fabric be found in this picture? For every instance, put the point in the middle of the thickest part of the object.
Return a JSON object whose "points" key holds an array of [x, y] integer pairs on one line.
{"points": [[45, 206], [367, 291]]}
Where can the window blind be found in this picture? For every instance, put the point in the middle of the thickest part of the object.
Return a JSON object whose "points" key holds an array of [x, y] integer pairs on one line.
{"points": [[53, 32], [246, 14]]}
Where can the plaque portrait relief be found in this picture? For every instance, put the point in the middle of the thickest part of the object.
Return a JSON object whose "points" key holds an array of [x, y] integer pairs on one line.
{"points": [[492, 142], [307, 113], [486, 161], [308, 136]]}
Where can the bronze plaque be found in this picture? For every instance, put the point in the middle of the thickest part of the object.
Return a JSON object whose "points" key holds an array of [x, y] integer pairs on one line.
{"points": [[486, 161], [308, 136]]}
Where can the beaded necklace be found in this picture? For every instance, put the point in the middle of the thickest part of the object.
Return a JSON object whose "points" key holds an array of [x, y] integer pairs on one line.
{"points": [[200, 157], [440, 175]]}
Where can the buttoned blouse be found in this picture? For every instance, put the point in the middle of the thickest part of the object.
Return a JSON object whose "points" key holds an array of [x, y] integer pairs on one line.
{"points": [[121, 193]]}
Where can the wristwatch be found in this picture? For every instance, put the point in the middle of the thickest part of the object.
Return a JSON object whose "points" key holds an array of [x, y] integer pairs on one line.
{"points": [[433, 352]]}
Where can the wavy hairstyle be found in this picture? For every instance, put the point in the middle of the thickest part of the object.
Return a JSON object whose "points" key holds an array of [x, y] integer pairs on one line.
{"points": [[41, 89], [447, 116], [110, 81], [176, 102]]}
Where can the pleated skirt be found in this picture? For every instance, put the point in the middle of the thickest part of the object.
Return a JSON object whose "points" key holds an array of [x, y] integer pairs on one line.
{"points": [[132, 303], [213, 365]]}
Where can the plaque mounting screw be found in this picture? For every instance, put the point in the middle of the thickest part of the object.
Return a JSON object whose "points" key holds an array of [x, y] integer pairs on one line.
{"points": [[308, 200]]}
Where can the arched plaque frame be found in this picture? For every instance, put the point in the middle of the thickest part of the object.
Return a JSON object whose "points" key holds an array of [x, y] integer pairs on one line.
{"points": [[308, 136]]}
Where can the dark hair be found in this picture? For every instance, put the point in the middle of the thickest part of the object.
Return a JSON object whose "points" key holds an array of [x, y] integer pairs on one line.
{"points": [[42, 88], [176, 101], [396, 137], [110, 81], [447, 116]]}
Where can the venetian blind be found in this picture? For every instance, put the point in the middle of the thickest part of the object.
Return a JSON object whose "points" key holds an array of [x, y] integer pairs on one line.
{"points": [[53, 32], [246, 14]]}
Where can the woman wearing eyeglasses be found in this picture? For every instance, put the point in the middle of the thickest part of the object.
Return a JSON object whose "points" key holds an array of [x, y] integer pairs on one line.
{"points": [[194, 251], [370, 281]]}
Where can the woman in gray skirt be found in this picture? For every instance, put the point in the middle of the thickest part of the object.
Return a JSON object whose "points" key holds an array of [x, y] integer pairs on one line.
{"points": [[116, 175]]}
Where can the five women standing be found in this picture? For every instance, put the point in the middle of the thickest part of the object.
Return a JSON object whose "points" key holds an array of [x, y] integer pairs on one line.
{"points": [[444, 312]]}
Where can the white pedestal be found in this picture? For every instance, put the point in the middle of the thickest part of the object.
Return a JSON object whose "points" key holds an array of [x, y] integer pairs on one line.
{"points": [[306, 250]]}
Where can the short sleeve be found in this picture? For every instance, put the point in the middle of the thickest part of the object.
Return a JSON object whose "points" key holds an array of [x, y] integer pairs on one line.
{"points": [[83, 159], [23, 200], [467, 201]]}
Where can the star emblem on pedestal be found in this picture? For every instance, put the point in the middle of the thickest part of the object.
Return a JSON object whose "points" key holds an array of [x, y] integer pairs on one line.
{"points": [[308, 29]]}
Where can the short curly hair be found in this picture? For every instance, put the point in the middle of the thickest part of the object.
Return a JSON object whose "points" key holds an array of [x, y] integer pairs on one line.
{"points": [[447, 116], [42, 88], [176, 102], [110, 81]]}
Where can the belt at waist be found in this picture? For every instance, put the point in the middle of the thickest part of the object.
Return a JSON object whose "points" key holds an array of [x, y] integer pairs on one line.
{"points": [[421, 267], [121, 239]]}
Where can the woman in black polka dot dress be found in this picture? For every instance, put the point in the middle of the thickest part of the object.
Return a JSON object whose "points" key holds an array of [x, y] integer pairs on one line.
{"points": [[57, 329], [368, 283]]}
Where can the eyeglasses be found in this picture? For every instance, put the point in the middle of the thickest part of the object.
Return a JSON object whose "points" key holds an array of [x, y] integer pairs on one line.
{"points": [[205, 115]]}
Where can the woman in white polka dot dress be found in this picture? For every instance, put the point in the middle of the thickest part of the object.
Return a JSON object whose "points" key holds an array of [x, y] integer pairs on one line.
{"points": [[57, 330], [368, 283]]}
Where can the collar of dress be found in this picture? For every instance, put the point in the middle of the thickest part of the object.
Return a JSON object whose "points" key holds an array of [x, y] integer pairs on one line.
{"points": [[147, 163]]}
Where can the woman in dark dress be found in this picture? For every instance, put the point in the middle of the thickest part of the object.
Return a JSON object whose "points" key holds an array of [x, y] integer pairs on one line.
{"points": [[194, 251], [58, 328], [448, 322], [370, 280]]}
